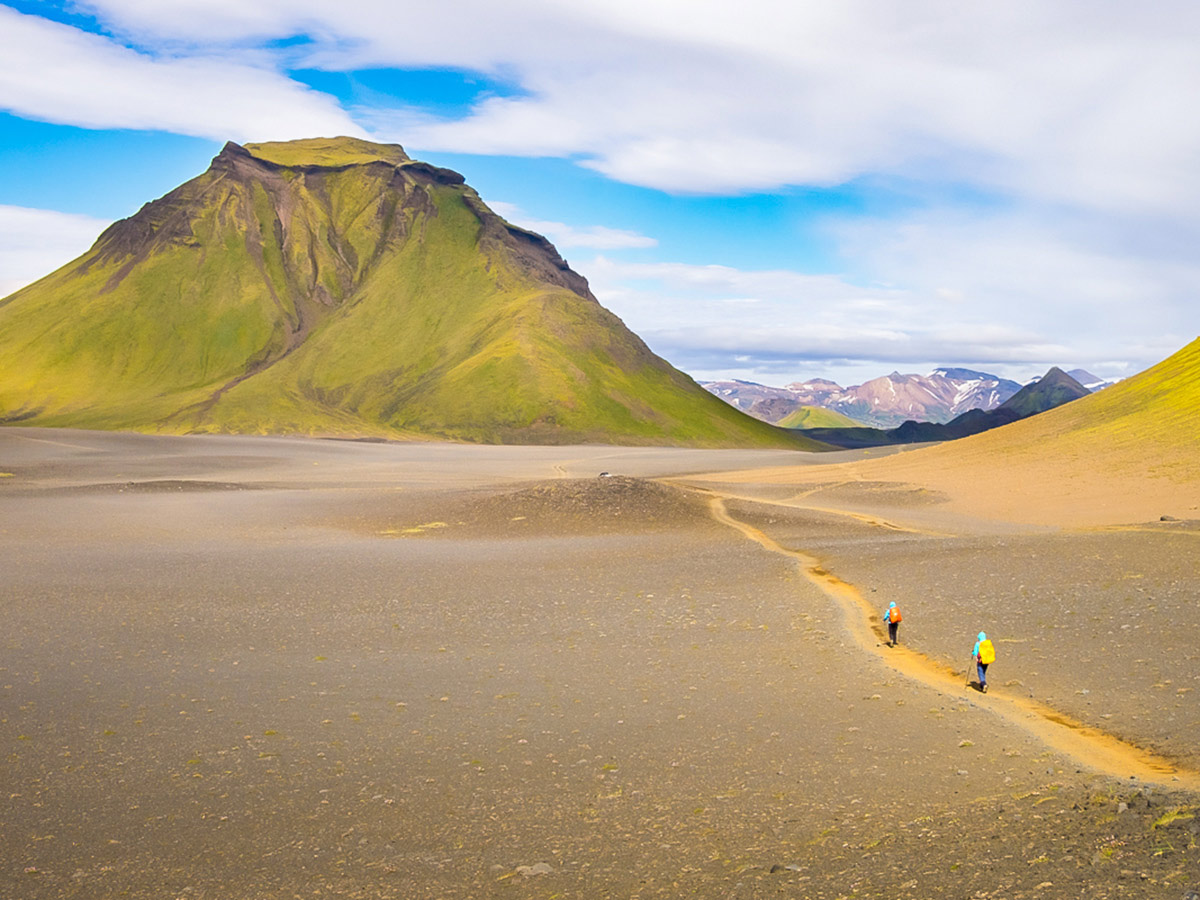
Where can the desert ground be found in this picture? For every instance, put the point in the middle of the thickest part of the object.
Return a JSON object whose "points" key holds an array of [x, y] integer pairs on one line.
{"points": [[254, 667]]}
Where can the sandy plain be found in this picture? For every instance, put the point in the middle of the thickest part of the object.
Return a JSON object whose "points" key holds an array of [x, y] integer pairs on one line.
{"points": [[265, 667]]}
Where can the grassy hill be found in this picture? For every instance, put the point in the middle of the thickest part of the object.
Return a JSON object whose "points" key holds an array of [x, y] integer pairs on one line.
{"points": [[816, 417], [1149, 420], [335, 286]]}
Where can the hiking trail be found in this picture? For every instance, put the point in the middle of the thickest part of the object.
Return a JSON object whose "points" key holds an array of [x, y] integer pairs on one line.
{"points": [[1090, 747]]}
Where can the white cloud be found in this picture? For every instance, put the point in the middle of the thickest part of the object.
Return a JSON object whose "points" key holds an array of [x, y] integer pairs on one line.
{"points": [[34, 242], [1088, 103], [55, 73], [594, 237], [779, 326], [1097, 290]]}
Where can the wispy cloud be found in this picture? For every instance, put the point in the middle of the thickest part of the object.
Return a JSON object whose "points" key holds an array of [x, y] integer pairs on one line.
{"points": [[1092, 106], [55, 73], [592, 237], [34, 242], [717, 321]]}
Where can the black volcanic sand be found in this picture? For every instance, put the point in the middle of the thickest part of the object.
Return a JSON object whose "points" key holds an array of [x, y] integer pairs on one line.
{"points": [[1103, 625], [377, 677]]}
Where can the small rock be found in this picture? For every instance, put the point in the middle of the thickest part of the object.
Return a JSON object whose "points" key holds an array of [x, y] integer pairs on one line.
{"points": [[1122, 806], [536, 869], [1167, 519]]}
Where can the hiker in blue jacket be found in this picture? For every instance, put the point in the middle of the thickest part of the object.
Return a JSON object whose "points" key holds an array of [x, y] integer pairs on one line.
{"points": [[892, 616], [984, 654]]}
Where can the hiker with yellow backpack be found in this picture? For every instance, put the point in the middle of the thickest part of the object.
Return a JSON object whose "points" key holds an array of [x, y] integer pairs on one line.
{"points": [[892, 616], [985, 655]]}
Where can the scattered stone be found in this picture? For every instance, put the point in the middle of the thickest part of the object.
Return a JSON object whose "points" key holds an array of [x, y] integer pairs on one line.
{"points": [[536, 869]]}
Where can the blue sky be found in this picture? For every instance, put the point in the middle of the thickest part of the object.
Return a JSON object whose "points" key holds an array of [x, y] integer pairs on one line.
{"points": [[827, 190]]}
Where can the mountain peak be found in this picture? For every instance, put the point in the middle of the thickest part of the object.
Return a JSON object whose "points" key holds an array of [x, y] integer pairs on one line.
{"points": [[336, 152], [1053, 389]]}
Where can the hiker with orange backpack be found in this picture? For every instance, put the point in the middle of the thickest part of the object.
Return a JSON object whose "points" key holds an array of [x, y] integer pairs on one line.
{"points": [[985, 655], [892, 616]]}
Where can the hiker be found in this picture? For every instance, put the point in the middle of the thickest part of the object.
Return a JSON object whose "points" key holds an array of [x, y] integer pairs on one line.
{"points": [[985, 655], [892, 616]]}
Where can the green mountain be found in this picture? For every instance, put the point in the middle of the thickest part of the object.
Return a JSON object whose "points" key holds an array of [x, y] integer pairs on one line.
{"points": [[1053, 389], [817, 417], [338, 287]]}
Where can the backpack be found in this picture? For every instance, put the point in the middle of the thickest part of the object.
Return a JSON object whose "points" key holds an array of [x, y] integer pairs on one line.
{"points": [[987, 653], [894, 615]]}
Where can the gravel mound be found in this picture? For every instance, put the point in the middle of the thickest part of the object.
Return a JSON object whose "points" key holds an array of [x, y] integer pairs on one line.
{"points": [[581, 506]]}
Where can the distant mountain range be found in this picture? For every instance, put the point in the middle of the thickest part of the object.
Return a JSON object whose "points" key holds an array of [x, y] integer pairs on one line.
{"points": [[1052, 390], [885, 402], [338, 287]]}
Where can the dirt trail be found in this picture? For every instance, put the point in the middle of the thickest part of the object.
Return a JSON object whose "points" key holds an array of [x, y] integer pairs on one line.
{"points": [[1089, 747], [794, 503]]}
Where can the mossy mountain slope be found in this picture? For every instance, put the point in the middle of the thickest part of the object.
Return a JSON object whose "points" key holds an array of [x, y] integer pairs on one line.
{"points": [[335, 286], [1146, 421]]}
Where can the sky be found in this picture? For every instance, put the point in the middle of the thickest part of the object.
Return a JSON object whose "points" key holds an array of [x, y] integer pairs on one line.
{"points": [[766, 191]]}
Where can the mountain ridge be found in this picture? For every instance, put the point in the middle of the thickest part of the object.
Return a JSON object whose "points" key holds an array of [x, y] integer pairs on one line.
{"points": [[1052, 390], [887, 401], [883, 402]]}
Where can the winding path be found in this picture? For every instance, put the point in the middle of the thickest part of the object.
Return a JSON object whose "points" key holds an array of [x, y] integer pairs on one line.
{"points": [[1089, 747]]}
